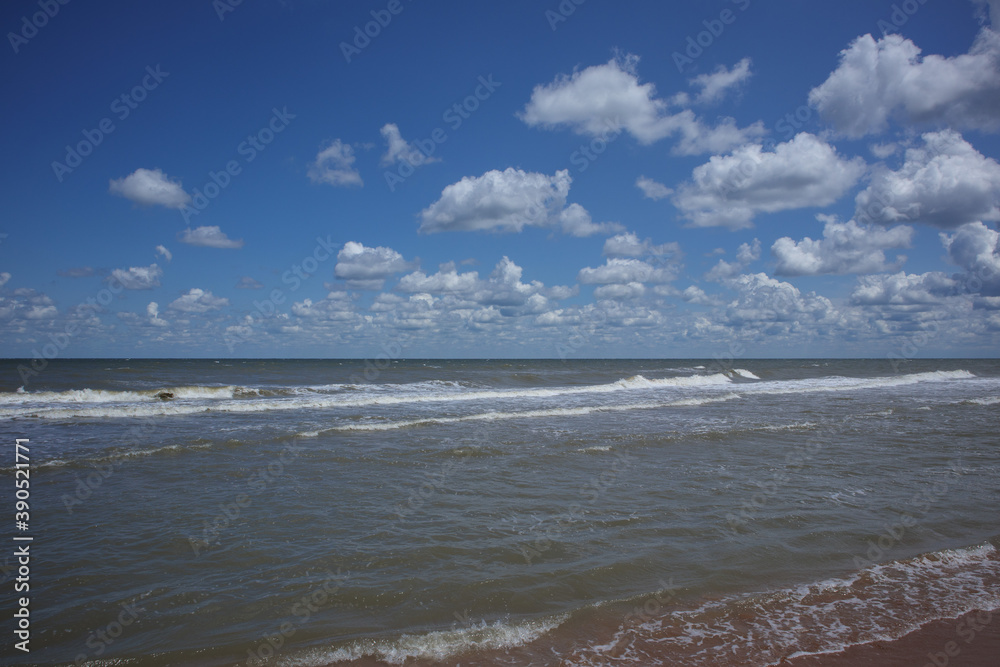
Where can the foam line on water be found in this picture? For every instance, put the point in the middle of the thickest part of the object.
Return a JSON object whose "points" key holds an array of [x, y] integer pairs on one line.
{"points": [[522, 414], [87, 403], [436, 646], [126, 407]]}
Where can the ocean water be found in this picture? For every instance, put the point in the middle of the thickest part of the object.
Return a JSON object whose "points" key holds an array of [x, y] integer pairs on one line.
{"points": [[612, 512]]}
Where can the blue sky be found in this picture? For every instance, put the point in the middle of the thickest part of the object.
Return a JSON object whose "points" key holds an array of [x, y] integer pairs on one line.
{"points": [[542, 179]]}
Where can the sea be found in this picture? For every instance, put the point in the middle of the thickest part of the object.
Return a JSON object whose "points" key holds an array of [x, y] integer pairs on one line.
{"points": [[310, 513]]}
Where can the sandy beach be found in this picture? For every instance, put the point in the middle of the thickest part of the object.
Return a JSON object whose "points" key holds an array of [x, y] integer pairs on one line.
{"points": [[971, 640]]}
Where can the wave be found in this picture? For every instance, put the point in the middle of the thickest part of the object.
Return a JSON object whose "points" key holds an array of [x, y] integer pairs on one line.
{"points": [[520, 414], [118, 456], [87, 396], [411, 387], [160, 394], [880, 602], [189, 400], [140, 404], [786, 427], [745, 373], [436, 646], [987, 400], [21, 397], [836, 383]]}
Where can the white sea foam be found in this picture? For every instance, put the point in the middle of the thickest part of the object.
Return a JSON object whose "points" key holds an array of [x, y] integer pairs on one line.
{"points": [[91, 403], [438, 645], [520, 414], [875, 603], [745, 373], [989, 400], [140, 404], [21, 397], [839, 383], [99, 396], [786, 427]]}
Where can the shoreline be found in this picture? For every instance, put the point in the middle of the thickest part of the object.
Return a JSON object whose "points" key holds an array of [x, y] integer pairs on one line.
{"points": [[969, 640]]}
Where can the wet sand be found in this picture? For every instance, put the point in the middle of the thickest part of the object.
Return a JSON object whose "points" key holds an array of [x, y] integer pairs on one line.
{"points": [[971, 640]]}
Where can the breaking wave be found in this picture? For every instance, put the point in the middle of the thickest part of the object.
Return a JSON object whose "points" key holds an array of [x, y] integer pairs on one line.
{"points": [[189, 400]]}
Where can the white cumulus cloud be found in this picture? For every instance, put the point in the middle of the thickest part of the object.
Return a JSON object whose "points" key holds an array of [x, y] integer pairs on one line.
{"points": [[989, 10], [574, 220], [447, 279], [729, 190], [367, 268], [746, 254], [629, 245], [845, 248], [945, 183], [620, 292], [153, 314], [335, 165], [198, 301], [715, 85], [149, 187], [762, 299], [505, 288], [651, 189], [138, 277], [623, 271], [499, 201], [902, 289], [696, 295], [609, 98], [976, 248], [889, 79], [400, 150], [336, 307], [209, 237], [27, 304]]}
